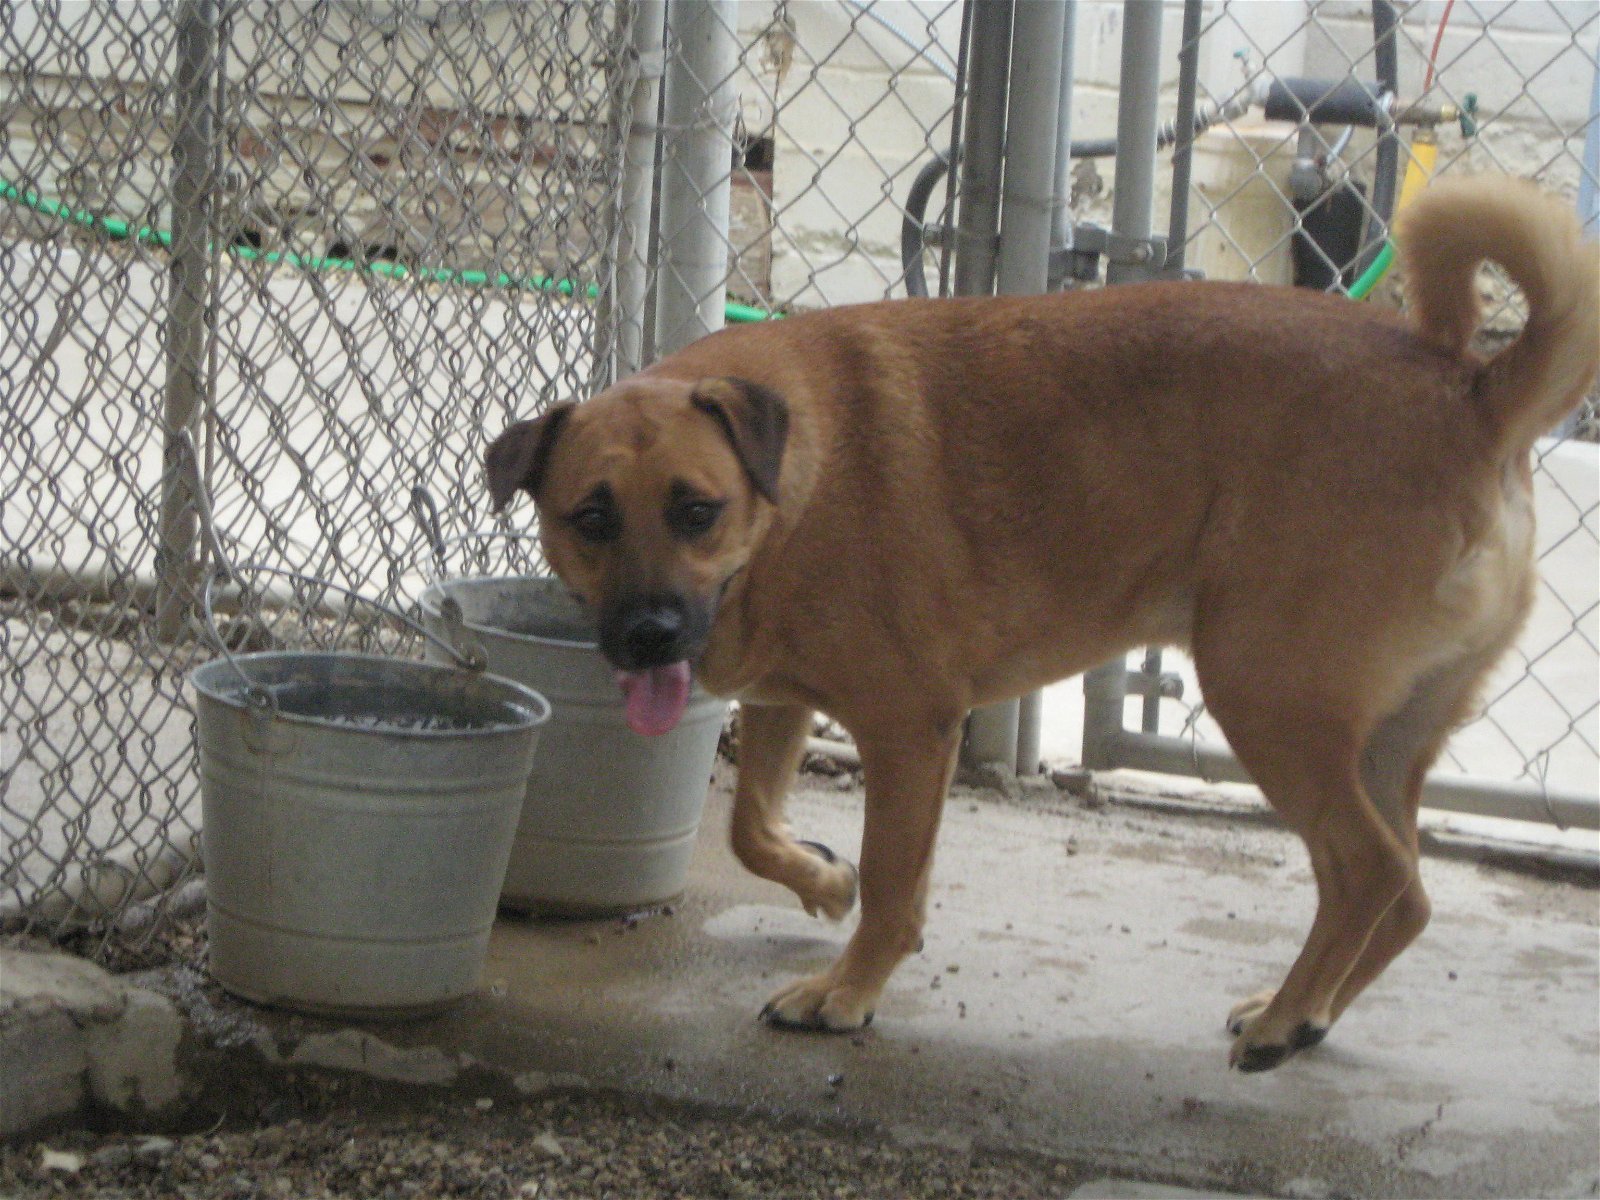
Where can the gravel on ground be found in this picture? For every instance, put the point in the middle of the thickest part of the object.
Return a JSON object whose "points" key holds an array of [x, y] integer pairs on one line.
{"points": [[331, 1138]]}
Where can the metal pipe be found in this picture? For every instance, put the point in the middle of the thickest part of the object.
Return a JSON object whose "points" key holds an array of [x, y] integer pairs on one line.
{"points": [[1029, 198], [1150, 713], [1029, 204], [1061, 216], [1105, 692], [991, 730], [1183, 152], [1512, 801], [1105, 688], [1030, 733], [982, 156], [992, 734], [639, 162], [188, 309], [1030, 711], [947, 218], [1137, 104], [699, 107]]}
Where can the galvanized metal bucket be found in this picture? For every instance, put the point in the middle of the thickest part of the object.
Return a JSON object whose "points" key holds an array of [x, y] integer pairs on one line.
{"points": [[358, 818], [610, 818]]}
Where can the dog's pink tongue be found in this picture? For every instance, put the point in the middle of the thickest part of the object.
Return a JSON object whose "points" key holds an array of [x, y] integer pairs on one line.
{"points": [[655, 699]]}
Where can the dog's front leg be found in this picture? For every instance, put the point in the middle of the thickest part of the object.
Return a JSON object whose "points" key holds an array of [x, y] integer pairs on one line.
{"points": [[772, 741], [907, 774]]}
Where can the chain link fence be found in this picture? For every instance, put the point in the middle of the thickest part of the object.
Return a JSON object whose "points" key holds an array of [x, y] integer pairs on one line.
{"points": [[323, 245], [1299, 189], [329, 245]]}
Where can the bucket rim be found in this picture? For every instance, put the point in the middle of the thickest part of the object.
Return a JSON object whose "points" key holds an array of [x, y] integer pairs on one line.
{"points": [[429, 602], [537, 708]]}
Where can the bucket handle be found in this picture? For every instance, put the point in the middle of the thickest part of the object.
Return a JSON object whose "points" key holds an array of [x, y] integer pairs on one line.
{"points": [[426, 510], [472, 658]]}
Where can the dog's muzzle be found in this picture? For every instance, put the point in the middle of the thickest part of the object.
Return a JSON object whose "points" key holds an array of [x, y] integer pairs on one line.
{"points": [[650, 641], [651, 632]]}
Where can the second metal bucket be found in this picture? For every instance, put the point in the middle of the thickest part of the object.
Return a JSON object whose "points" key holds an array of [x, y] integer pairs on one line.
{"points": [[610, 818]]}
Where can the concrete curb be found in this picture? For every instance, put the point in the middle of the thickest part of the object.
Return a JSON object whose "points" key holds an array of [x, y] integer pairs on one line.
{"points": [[75, 1038]]}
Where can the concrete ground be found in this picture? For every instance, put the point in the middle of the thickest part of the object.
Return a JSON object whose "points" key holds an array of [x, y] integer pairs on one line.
{"points": [[1080, 959], [1070, 998]]}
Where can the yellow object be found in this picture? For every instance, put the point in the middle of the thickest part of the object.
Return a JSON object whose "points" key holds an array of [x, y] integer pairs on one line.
{"points": [[1419, 167]]}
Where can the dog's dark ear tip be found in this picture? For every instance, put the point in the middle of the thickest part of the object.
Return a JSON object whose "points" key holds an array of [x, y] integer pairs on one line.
{"points": [[518, 457], [755, 419]]}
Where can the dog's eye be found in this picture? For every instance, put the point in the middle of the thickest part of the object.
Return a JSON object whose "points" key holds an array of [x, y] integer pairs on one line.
{"points": [[691, 518], [596, 524]]}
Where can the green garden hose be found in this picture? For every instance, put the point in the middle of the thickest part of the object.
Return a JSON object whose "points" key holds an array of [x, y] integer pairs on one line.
{"points": [[118, 230]]}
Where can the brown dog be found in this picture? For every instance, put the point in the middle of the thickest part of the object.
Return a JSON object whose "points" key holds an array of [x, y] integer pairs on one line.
{"points": [[897, 511]]}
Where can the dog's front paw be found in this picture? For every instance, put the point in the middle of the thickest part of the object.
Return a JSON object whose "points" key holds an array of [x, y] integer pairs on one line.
{"points": [[819, 1004], [833, 889]]}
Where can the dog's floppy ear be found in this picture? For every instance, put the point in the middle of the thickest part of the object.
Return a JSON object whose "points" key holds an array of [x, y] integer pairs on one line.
{"points": [[756, 422], [518, 457]]}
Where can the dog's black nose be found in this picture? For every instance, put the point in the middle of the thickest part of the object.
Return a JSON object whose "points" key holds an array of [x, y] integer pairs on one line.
{"points": [[653, 636]]}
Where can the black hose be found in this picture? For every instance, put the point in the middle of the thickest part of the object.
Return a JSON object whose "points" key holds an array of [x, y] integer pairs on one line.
{"points": [[1386, 169], [911, 225]]}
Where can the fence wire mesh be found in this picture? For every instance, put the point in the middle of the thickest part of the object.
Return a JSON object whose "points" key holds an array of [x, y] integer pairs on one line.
{"points": [[421, 221]]}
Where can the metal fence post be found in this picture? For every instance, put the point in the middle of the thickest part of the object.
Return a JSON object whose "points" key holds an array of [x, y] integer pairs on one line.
{"points": [[696, 170], [992, 729], [188, 305], [982, 155], [1129, 261], [1028, 206], [1061, 216], [1183, 149], [640, 160]]}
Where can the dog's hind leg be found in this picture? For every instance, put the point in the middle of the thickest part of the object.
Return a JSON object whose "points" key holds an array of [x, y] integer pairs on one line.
{"points": [[1303, 747], [772, 741], [906, 778], [1394, 765]]}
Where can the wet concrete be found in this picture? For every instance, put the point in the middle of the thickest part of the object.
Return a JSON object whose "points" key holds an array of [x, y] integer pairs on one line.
{"points": [[1070, 999]]}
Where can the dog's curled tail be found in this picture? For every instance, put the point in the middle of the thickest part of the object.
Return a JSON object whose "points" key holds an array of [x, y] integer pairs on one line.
{"points": [[1452, 227]]}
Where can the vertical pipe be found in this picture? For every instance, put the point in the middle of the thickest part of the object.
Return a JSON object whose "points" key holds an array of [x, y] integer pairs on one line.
{"points": [[638, 187], [188, 305], [1137, 104], [1183, 151], [984, 125], [991, 730], [1105, 688], [1029, 197], [1030, 710], [696, 170], [957, 132], [1061, 223], [1150, 715], [1029, 204]]}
